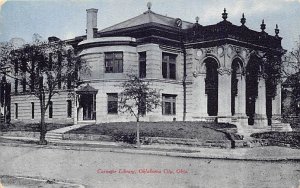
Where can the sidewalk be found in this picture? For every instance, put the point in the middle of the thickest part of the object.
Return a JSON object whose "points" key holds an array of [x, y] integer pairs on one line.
{"points": [[268, 153]]}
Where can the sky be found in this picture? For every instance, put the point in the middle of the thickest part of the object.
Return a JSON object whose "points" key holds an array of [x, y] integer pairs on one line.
{"points": [[67, 18]]}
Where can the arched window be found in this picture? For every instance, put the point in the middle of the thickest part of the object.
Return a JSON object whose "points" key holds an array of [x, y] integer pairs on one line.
{"points": [[252, 70], [211, 86]]}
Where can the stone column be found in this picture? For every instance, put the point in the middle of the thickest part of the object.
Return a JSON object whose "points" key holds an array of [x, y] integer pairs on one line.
{"points": [[260, 103], [224, 95], [240, 102], [276, 102], [75, 109]]}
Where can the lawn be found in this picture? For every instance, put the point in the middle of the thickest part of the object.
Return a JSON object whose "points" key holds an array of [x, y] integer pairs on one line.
{"points": [[125, 131], [31, 127], [279, 138]]}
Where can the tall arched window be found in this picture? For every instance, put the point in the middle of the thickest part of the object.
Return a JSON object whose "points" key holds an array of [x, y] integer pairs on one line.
{"points": [[211, 86], [252, 70]]}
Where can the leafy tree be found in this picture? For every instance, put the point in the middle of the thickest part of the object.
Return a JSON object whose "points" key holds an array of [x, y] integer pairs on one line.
{"points": [[138, 98], [43, 68], [292, 82]]}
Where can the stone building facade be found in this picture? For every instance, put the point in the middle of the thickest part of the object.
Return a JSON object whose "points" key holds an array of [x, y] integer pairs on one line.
{"points": [[203, 73]]}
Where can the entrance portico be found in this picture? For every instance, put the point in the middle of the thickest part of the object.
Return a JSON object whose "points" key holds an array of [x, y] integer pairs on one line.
{"points": [[86, 104]]}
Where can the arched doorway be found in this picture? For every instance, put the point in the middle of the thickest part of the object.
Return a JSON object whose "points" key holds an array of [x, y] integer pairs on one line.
{"points": [[236, 70], [252, 70], [211, 86]]}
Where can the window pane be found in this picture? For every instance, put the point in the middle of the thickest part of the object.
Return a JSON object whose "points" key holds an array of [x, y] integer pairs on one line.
{"points": [[165, 58], [167, 108], [120, 68], [164, 70], [108, 56], [69, 108], [172, 71], [112, 103], [112, 107], [169, 104], [118, 55], [114, 62], [142, 69], [50, 109], [142, 64], [16, 111], [32, 110]]}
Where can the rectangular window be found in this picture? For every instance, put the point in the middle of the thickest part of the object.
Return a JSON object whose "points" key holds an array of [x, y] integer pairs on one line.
{"points": [[16, 85], [50, 109], [24, 85], [169, 66], [59, 64], [16, 110], [113, 62], [112, 103], [142, 65], [168, 104], [32, 110], [69, 108]]}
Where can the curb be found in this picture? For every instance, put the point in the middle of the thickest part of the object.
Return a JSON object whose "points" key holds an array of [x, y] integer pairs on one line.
{"points": [[146, 150]]}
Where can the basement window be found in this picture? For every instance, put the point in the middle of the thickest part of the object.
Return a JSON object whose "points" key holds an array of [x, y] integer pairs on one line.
{"points": [[168, 104], [112, 103]]}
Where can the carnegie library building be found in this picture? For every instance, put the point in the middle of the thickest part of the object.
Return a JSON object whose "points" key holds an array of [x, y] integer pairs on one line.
{"points": [[202, 72]]}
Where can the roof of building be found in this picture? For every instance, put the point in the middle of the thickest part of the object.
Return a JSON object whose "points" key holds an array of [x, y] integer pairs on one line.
{"points": [[148, 17]]}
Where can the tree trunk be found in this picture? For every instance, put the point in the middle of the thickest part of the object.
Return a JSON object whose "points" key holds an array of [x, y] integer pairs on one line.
{"points": [[43, 127], [138, 143]]}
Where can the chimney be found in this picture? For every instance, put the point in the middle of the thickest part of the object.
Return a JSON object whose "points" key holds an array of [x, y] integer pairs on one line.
{"points": [[91, 22]]}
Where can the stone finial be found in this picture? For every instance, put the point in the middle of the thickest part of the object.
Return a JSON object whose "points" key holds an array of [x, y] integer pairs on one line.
{"points": [[149, 4], [224, 14], [263, 26], [276, 31], [197, 19], [243, 19]]}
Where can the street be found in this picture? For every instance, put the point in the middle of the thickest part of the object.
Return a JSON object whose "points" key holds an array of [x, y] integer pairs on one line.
{"points": [[109, 169]]}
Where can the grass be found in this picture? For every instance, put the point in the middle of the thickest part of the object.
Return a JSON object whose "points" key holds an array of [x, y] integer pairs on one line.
{"points": [[291, 138], [127, 130], [31, 127]]}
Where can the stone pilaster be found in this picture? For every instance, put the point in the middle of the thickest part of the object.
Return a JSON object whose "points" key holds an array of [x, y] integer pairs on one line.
{"points": [[199, 97], [224, 95], [276, 102], [260, 103]]}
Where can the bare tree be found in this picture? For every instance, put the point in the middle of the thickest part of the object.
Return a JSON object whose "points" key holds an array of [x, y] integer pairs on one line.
{"points": [[138, 98], [42, 68]]}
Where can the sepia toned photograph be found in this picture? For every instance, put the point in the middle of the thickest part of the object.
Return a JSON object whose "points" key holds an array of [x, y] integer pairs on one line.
{"points": [[149, 94]]}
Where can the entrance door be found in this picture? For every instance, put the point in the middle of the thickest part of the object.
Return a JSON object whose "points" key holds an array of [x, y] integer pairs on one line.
{"points": [[87, 103]]}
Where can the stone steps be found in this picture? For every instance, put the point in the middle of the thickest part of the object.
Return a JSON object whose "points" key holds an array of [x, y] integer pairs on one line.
{"points": [[281, 127], [50, 136]]}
